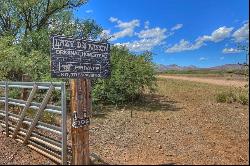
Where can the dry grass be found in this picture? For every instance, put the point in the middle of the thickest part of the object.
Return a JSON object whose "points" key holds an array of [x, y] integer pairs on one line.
{"points": [[201, 92], [211, 80]]}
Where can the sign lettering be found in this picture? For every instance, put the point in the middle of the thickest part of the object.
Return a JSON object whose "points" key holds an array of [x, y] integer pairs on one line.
{"points": [[80, 122], [79, 58]]}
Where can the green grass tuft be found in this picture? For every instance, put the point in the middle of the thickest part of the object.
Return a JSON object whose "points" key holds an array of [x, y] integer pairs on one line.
{"points": [[236, 95]]}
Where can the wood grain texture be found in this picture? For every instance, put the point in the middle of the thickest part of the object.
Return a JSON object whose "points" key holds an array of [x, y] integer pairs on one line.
{"points": [[80, 136]]}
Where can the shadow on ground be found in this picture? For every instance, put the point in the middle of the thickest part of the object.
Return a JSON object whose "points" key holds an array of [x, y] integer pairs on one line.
{"points": [[149, 102], [96, 160], [154, 102]]}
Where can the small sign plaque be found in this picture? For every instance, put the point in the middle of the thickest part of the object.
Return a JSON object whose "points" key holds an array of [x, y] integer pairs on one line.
{"points": [[79, 58], [79, 122]]}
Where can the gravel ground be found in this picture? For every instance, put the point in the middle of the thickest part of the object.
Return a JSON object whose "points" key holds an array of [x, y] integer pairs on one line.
{"points": [[14, 153], [174, 126], [182, 135]]}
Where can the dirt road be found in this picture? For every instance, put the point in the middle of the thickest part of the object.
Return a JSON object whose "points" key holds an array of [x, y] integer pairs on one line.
{"points": [[235, 83]]}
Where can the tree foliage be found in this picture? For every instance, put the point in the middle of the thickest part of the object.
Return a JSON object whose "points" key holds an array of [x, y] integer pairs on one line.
{"points": [[131, 75], [29, 15], [244, 47], [25, 29]]}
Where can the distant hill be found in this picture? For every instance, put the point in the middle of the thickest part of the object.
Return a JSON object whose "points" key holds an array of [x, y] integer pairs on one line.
{"points": [[227, 67], [191, 67], [162, 68]]}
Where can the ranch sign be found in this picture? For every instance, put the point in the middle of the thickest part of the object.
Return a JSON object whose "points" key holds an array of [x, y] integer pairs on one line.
{"points": [[79, 58], [80, 61]]}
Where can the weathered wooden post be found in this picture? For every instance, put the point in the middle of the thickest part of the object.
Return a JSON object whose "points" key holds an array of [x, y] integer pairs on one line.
{"points": [[79, 60], [80, 108]]}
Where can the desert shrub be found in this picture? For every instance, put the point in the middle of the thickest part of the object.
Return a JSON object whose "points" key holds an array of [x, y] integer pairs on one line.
{"points": [[130, 75], [226, 97], [221, 97], [243, 96], [233, 95], [243, 99]]}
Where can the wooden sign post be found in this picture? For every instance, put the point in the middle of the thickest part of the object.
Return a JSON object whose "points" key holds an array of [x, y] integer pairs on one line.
{"points": [[80, 109], [80, 60]]}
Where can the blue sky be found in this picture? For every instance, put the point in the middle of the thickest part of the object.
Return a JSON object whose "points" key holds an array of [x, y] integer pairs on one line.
{"points": [[183, 32]]}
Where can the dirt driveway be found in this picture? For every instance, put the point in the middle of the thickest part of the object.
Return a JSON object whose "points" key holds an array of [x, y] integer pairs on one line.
{"points": [[235, 83]]}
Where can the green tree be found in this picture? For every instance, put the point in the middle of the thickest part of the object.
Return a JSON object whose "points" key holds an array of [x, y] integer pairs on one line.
{"points": [[245, 48], [24, 16], [10, 66], [131, 75], [25, 28]]}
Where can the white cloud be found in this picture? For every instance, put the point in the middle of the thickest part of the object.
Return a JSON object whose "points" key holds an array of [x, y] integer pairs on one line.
{"points": [[242, 33], [176, 27], [130, 24], [216, 36], [203, 59], [151, 33], [105, 34], [146, 24], [221, 33], [148, 39], [113, 19], [123, 33], [184, 45], [107, 31], [231, 50], [89, 11], [126, 28]]}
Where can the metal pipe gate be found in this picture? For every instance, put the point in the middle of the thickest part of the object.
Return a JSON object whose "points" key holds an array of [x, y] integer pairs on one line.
{"points": [[12, 123]]}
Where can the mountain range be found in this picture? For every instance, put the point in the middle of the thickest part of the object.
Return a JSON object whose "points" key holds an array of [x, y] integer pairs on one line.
{"points": [[161, 67]]}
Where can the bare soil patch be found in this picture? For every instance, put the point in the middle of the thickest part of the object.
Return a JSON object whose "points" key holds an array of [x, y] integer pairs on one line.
{"points": [[14, 153]]}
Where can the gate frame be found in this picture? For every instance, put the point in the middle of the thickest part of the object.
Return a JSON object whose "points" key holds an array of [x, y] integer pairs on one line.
{"points": [[51, 86]]}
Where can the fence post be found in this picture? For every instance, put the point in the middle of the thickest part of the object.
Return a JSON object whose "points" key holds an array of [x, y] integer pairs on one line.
{"points": [[6, 109], [64, 124], [80, 109]]}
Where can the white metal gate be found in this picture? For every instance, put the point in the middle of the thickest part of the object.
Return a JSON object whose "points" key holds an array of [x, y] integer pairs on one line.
{"points": [[14, 122]]}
